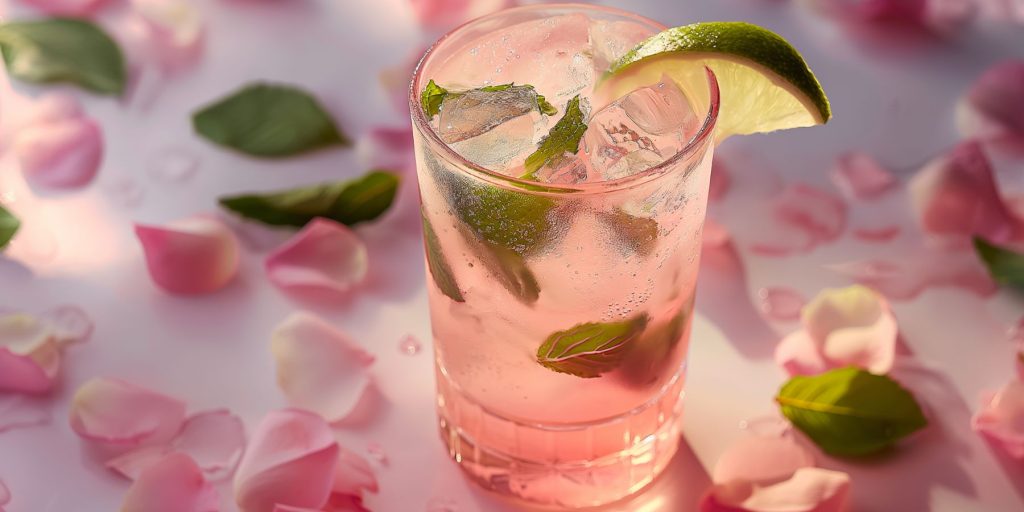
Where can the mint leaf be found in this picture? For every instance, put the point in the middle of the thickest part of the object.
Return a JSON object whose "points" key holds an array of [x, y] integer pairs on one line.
{"points": [[639, 234], [1005, 266], [651, 352], [348, 202], [63, 50], [563, 138], [267, 120], [432, 97], [591, 349], [510, 269], [438, 265], [850, 411], [545, 106], [9, 225]]}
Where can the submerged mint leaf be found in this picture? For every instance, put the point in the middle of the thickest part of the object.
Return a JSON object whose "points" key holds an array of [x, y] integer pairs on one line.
{"points": [[63, 50], [545, 106], [432, 97], [438, 265], [510, 268], [564, 138], [348, 202], [592, 349], [1005, 266], [639, 234], [9, 225], [849, 411], [652, 351], [267, 120]]}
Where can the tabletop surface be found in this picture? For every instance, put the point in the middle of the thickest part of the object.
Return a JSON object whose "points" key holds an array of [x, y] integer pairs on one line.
{"points": [[893, 96]]}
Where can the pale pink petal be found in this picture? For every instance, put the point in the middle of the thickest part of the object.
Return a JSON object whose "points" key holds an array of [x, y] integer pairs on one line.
{"points": [[801, 218], [177, 23], [291, 461], [808, 490], [131, 465], [449, 13], [1001, 418], [761, 460], [70, 323], [62, 153], [798, 354], [67, 7], [994, 106], [346, 503], [353, 475], [174, 484], [191, 256], [54, 106], [781, 303], [956, 195], [17, 411], [859, 176], [215, 440], [387, 148], [877, 235], [29, 354], [921, 270], [116, 412], [397, 80], [721, 180], [324, 258], [318, 367], [852, 326]]}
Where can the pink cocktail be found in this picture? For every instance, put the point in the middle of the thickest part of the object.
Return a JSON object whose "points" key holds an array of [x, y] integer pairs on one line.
{"points": [[561, 285]]}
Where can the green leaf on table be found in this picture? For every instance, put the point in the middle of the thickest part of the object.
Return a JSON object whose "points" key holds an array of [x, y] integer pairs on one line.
{"points": [[591, 349], [63, 50], [9, 225], [563, 138], [347, 202], [268, 120], [438, 265], [849, 411], [639, 234], [1005, 266], [434, 95]]}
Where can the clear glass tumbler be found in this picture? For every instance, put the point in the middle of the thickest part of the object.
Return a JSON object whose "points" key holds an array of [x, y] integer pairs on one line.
{"points": [[560, 313]]}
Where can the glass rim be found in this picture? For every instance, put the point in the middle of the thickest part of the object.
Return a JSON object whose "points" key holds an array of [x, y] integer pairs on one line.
{"points": [[422, 122]]}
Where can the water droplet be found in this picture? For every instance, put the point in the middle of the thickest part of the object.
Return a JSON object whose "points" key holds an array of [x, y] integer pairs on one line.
{"points": [[409, 345], [71, 322], [173, 165], [125, 192], [376, 453], [442, 505], [780, 303]]}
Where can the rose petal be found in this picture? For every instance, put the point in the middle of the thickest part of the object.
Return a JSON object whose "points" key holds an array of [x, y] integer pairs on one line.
{"points": [[449, 13], [174, 484], [64, 153], [175, 22], [191, 256], [70, 324], [324, 258], [131, 465], [116, 412], [994, 106], [318, 367], [801, 218], [29, 354], [81, 8], [291, 460], [54, 106], [859, 176], [762, 460], [852, 326], [215, 440], [919, 271], [882, 234], [353, 475], [345, 503], [721, 180], [809, 490], [956, 195], [1001, 418], [17, 411], [797, 354]]}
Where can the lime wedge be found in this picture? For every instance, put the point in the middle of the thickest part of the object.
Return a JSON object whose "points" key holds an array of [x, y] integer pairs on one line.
{"points": [[764, 82]]}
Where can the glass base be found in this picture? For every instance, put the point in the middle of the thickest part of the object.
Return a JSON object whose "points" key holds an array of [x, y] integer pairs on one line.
{"points": [[564, 465]]}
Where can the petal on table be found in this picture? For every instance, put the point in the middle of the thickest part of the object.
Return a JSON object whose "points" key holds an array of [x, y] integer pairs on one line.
{"points": [[801, 218], [29, 354], [191, 256], [290, 461], [324, 259], [353, 475], [174, 484], [215, 440], [994, 106], [859, 176], [916, 272], [318, 367], [114, 411], [17, 411], [852, 326], [64, 153], [70, 323], [1001, 418], [176, 23], [761, 460], [877, 235], [80, 8], [798, 354], [131, 465], [54, 106], [446, 14], [808, 490], [956, 195]]}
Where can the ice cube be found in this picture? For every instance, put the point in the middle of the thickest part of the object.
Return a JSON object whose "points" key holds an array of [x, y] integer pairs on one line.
{"points": [[661, 109], [569, 169], [506, 145], [472, 113]]}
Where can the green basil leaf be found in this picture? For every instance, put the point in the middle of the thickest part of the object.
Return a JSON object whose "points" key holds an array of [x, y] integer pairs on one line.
{"points": [[268, 120], [563, 138], [1005, 266], [438, 265], [9, 225], [592, 349], [849, 411], [432, 97], [347, 202], [63, 50], [639, 234]]}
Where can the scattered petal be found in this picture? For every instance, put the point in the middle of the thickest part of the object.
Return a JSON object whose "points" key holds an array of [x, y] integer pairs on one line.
{"points": [[917, 272], [81, 8], [324, 258], [802, 217], [721, 180], [29, 354], [290, 461], [444, 14], [62, 153], [318, 367], [191, 256], [877, 235], [174, 484], [175, 22], [780, 303], [116, 412], [859, 176], [70, 324], [353, 475], [215, 440], [762, 460], [1001, 418], [54, 106], [994, 106], [131, 465], [17, 411], [956, 195]]}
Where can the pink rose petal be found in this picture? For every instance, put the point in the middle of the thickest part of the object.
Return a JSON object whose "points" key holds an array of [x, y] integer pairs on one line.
{"points": [[115, 412], [29, 354], [920, 270], [449, 13], [17, 411], [318, 367], [81, 8], [215, 440], [1001, 418], [70, 323], [174, 484], [877, 235], [63, 153], [802, 217], [994, 106], [191, 256], [353, 475], [175, 22], [781, 303], [131, 465], [291, 461], [859, 176], [852, 326], [956, 195], [325, 258], [798, 354], [54, 106], [762, 460], [808, 490], [721, 180]]}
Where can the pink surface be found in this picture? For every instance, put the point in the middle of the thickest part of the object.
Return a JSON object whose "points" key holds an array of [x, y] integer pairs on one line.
{"points": [[894, 98]]}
